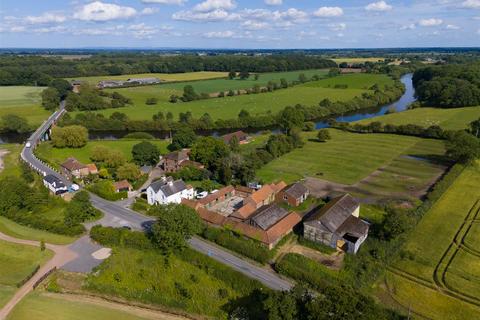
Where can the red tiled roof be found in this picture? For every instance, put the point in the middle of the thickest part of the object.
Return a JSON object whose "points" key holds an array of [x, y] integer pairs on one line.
{"points": [[92, 168], [239, 134], [72, 164], [261, 195], [124, 184], [244, 212], [213, 196]]}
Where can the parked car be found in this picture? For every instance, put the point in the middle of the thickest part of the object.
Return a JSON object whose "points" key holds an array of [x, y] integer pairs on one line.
{"points": [[28, 145], [202, 194], [74, 187]]}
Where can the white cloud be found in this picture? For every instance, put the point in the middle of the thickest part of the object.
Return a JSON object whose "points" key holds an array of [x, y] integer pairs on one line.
{"points": [[254, 25], [219, 34], [216, 15], [273, 2], [174, 2], [432, 22], [408, 27], [452, 27], [147, 11], [100, 11], [337, 26], [326, 12], [47, 17], [57, 29], [378, 6], [210, 5], [142, 31], [472, 4]]}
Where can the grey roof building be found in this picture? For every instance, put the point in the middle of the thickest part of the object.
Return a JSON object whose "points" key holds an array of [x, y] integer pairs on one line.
{"points": [[337, 224], [267, 216], [167, 191]]}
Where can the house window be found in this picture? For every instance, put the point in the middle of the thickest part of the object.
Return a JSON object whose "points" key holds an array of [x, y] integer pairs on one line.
{"points": [[285, 197]]}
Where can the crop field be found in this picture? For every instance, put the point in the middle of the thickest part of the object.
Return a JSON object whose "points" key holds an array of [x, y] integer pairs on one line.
{"points": [[187, 76], [227, 108], [443, 264], [57, 156], [449, 119], [54, 307], [16, 263], [358, 60], [23, 101], [192, 283], [346, 158], [218, 85]]}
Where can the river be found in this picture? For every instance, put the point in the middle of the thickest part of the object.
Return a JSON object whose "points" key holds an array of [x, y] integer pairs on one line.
{"points": [[400, 105]]}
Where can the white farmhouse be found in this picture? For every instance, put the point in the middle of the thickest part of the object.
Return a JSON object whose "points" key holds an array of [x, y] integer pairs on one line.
{"points": [[54, 184], [167, 191]]}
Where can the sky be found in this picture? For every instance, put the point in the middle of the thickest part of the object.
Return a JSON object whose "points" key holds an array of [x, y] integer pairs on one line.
{"points": [[247, 24]]}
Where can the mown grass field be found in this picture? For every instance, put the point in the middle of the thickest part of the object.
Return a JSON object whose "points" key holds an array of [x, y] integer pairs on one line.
{"points": [[449, 119], [42, 306], [433, 255], [187, 76], [57, 156], [6, 292], [192, 283], [218, 85], [346, 158], [23, 101], [310, 93], [18, 231]]}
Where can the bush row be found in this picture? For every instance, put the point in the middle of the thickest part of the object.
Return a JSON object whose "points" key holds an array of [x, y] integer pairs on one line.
{"points": [[105, 190], [237, 243], [29, 276], [109, 236]]}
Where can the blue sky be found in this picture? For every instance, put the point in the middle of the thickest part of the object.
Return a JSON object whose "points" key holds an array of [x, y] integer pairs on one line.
{"points": [[239, 23]]}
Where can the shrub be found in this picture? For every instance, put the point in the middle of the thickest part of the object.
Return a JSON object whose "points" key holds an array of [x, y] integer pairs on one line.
{"points": [[151, 101], [69, 136], [105, 190], [121, 237], [139, 136]]}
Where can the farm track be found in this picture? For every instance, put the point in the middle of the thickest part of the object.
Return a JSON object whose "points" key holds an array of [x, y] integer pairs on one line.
{"points": [[440, 272]]}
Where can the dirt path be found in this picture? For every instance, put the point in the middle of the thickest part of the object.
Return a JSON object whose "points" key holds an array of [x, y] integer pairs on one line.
{"points": [[62, 255], [137, 311], [2, 154]]}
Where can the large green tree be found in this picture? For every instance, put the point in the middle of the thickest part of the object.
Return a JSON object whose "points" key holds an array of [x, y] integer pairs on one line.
{"points": [[184, 137], [14, 123], [209, 151], [50, 98], [175, 224], [69, 136], [291, 118], [463, 147], [128, 171], [145, 153]]}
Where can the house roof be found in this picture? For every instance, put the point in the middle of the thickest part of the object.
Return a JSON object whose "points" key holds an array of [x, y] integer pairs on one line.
{"points": [[334, 213], [353, 227], [72, 164], [244, 189], [146, 169], [124, 184], [214, 196], [296, 190], [92, 167], [177, 155], [239, 134], [169, 188], [244, 212], [262, 194], [54, 181], [269, 215]]}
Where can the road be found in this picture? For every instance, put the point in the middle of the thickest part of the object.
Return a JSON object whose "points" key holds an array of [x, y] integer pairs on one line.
{"points": [[115, 215]]}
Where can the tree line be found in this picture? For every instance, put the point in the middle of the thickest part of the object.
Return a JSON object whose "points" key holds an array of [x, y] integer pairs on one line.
{"points": [[448, 86], [36, 70]]}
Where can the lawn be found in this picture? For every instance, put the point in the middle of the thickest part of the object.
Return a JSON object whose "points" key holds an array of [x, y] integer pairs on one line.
{"points": [[310, 93], [347, 158], [22, 232], [218, 85], [187, 76], [18, 261], [463, 274], [449, 119], [24, 102], [6, 292], [42, 306], [57, 156], [188, 281]]}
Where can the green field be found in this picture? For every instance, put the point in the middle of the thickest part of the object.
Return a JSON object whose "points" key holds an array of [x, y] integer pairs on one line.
{"points": [[16, 263], [188, 281], [310, 93], [24, 102], [11, 160], [449, 119], [439, 263], [347, 158], [18, 231], [57, 156], [187, 76], [43, 306], [218, 85]]}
